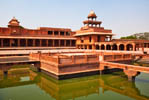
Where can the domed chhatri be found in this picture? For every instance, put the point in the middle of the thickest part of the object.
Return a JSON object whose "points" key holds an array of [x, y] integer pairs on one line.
{"points": [[13, 22], [92, 14]]}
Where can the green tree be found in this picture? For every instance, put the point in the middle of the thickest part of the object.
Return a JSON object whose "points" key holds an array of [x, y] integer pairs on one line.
{"points": [[129, 37]]}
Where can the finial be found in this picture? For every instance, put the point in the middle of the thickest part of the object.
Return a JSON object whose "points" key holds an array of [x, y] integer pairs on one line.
{"points": [[14, 17], [92, 14]]}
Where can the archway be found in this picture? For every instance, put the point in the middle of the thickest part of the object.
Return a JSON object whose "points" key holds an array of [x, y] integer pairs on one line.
{"points": [[129, 47], [97, 47], [114, 47], [90, 46], [121, 47], [102, 47], [108, 47]]}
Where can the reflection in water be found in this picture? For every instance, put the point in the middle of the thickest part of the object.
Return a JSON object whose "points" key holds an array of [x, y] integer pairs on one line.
{"points": [[39, 86]]}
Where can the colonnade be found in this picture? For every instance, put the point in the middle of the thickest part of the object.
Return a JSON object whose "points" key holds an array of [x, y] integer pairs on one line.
{"points": [[122, 46], [36, 43]]}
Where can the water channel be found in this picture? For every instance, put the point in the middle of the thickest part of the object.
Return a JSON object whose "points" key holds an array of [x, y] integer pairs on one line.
{"points": [[26, 84]]}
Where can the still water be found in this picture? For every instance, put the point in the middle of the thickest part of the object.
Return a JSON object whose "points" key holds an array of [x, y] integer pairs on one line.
{"points": [[25, 84]]}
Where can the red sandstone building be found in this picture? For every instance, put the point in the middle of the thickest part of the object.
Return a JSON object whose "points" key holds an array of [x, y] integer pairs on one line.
{"points": [[93, 36], [90, 36], [17, 36]]}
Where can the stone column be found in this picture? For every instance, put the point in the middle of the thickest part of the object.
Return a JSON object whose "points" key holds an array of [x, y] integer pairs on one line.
{"points": [[18, 42], [59, 43], [10, 42], [65, 43], [2, 43], [93, 47], [118, 46], [53, 43], [105, 47], [134, 47], [125, 47], [99, 47], [58, 33], [47, 43], [40, 42], [53, 33], [26, 44], [33, 42], [143, 47], [70, 43], [87, 46]]}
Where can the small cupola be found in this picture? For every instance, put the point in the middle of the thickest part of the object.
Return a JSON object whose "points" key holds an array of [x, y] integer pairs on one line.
{"points": [[13, 22], [91, 15]]}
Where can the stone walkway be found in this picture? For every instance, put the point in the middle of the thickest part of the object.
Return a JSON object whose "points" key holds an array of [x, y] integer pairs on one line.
{"points": [[13, 52]]}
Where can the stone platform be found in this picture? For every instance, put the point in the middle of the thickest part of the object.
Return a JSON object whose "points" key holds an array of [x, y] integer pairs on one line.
{"points": [[73, 63]]}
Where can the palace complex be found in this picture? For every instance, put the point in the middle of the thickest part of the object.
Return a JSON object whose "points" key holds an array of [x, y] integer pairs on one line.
{"points": [[90, 36], [93, 36], [17, 36], [86, 57]]}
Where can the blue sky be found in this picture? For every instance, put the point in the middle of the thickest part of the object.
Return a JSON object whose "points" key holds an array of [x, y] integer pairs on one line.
{"points": [[124, 17]]}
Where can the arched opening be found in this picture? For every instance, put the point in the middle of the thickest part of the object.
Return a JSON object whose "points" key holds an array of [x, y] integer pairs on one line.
{"points": [[97, 47], [129, 47], [102, 47], [114, 47], [90, 46], [108, 47], [121, 47]]}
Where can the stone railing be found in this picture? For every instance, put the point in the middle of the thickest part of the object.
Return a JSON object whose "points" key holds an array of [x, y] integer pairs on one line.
{"points": [[43, 57], [116, 57], [125, 66], [64, 59], [78, 59], [34, 56]]}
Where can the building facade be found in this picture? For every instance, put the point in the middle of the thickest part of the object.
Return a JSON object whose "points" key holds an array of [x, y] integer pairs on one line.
{"points": [[17, 36], [90, 36], [93, 36]]}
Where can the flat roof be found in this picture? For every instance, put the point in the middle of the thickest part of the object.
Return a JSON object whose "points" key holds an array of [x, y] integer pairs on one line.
{"points": [[93, 33], [38, 37]]}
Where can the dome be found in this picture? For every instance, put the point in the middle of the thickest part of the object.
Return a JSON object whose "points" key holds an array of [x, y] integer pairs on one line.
{"points": [[92, 14], [14, 22]]}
